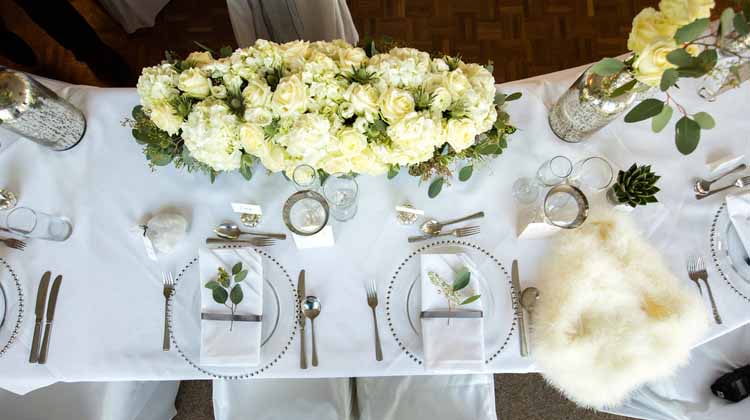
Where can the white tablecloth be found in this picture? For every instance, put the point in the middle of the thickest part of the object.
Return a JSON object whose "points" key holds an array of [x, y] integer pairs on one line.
{"points": [[109, 320]]}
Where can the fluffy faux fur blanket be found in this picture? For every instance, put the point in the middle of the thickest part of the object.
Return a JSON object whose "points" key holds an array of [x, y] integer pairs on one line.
{"points": [[611, 315]]}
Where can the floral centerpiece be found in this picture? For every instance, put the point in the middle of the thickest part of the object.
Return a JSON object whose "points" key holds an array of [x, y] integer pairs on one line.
{"points": [[326, 104], [676, 41]]}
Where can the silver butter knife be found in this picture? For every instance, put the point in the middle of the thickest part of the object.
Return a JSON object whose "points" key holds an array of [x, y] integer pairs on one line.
{"points": [[50, 316], [41, 298], [301, 296], [519, 311]]}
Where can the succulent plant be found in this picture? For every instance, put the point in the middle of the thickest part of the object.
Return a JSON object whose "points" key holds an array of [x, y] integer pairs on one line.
{"points": [[636, 186]]}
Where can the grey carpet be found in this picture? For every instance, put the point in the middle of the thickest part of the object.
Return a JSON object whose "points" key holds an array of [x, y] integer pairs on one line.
{"points": [[517, 397]]}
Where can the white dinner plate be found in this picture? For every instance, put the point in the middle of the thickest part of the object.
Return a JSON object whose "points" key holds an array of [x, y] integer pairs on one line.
{"points": [[729, 255], [11, 306]]}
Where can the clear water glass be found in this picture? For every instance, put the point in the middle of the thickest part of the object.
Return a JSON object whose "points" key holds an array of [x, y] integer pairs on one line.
{"points": [[305, 177], [341, 191], [593, 173], [526, 190], [305, 212], [35, 224], [565, 206], [554, 171]]}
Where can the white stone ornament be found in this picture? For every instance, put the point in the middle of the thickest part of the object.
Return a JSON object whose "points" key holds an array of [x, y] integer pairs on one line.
{"points": [[166, 230]]}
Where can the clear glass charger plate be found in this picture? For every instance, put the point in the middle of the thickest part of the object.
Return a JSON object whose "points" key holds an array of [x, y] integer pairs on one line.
{"points": [[11, 306], [729, 255], [403, 308], [279, 323]]}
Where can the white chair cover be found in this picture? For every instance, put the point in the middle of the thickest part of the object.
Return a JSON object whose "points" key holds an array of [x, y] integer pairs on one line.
{"points": [[283, 399], [134, 14], [93, 401], [288, 20], [687, 395], [440, 397]]}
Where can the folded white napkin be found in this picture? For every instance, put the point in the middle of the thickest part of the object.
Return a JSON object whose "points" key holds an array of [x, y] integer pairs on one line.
{"points": [[455, 344], [241, 345], [738, 208]]}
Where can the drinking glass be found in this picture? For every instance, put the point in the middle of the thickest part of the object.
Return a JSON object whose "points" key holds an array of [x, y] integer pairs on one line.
{"points": [[565, 206], [526, 190], [35, 224], [341, 192], [554, 171], [305, 177], [593, 173], [306, 213]]}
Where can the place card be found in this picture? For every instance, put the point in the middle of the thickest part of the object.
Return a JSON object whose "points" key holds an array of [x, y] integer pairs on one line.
{"points": [[322, 239], [243, 208], [411, 210]]}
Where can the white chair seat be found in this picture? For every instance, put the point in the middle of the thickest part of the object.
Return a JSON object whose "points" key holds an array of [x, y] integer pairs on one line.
{"points": [[93, 401], [441, 397], [687, 395], [283, 399]]}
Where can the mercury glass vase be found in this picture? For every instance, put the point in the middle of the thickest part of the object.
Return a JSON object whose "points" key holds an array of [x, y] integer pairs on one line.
{"points": [[732, 68], [30, 110], [589, 105]]}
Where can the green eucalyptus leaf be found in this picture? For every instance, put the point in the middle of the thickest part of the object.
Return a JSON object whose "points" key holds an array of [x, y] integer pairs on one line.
{"points": [[644, 110], [607, 67], [680, 58], [687, 135], [225, 51], [435, 187], [707, 59], [668, 79], [236, 294], [740, 24], [246, 172], [240, 276], [727, 21], [470, 299], [513, 96], [465, 173], [704, 120], [158, 157], [627, 87], [393, 171], [500, 98], [220, 295], [660, 121], [463, 277], [138, 113], [692, 30], [236, 268], [212, 284]]}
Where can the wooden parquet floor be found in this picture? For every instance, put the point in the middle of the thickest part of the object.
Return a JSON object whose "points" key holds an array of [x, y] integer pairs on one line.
{"points": [[523, 38]]}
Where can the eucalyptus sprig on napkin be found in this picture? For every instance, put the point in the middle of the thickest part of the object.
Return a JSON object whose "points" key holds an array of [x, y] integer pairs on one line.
{"points": [[450, 291], [227, 287]]}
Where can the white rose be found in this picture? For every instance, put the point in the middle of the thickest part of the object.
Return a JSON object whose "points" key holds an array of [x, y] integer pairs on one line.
{"points": [[336, 163], [290, 96], [395, 104], [460, 133], [165, 117], [194, 83], [351, 57], [361, 124], [199, 59], [441, 99], [346, 110], [683, 12], [251, 138], [157, 84], [293, 54], [308, 138], [259, 116], [274, 158], [211, 133], [457, 83], [652, 61], [257, 93], [364, 99], [439, 65], [219, 91], [367, 162], [351, 141]]}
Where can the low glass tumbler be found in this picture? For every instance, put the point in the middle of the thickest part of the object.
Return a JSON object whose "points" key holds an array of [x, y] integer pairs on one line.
{"points": [[341, 191], [35, 224], [593, 173], [305, 177], [554, 171]]}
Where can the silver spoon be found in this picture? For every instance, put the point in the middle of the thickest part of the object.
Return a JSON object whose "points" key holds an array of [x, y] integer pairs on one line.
{"points": [[433, 227], [703, 186], [231, 231], [529, 297], [311, 309]]}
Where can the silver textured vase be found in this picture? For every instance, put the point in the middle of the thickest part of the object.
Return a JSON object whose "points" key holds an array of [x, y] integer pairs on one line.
{"points": [[30, 110], [589, 105], [732, 68]]}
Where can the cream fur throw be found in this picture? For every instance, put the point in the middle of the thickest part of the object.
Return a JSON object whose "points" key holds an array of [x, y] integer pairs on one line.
{"points": [[611, 316]]}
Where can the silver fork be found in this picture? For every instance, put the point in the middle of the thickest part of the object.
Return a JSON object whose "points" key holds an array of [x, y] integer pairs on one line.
{"points": [[13, 243], [265, 241], [739, 183], [372, 302], [458, 233], [168, 289], [697, 271]]}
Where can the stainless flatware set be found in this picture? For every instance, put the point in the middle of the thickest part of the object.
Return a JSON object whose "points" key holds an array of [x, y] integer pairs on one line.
{"points": [[167, 291], [13, 243], [372, 302], [434, 229], [38, 355]]}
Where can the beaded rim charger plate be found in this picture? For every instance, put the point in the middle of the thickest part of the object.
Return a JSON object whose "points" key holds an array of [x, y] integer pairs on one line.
{"points": [[403, 296], [11, 306], [279, 323], [729, 255]]}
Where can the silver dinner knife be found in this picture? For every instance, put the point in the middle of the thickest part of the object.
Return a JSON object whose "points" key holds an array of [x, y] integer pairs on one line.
{"points": [[301, 295], [50, 316], [41, 298], [519, 311]]}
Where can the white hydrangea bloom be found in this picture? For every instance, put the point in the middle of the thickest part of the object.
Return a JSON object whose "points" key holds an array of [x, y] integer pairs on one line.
{"points": [[157, 85], [211, 134]]}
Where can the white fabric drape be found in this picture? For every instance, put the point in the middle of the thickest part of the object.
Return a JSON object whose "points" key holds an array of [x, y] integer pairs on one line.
{"points": [[93, 401], [134, 14], [288, 20], [441, 397], [283, 399]]}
